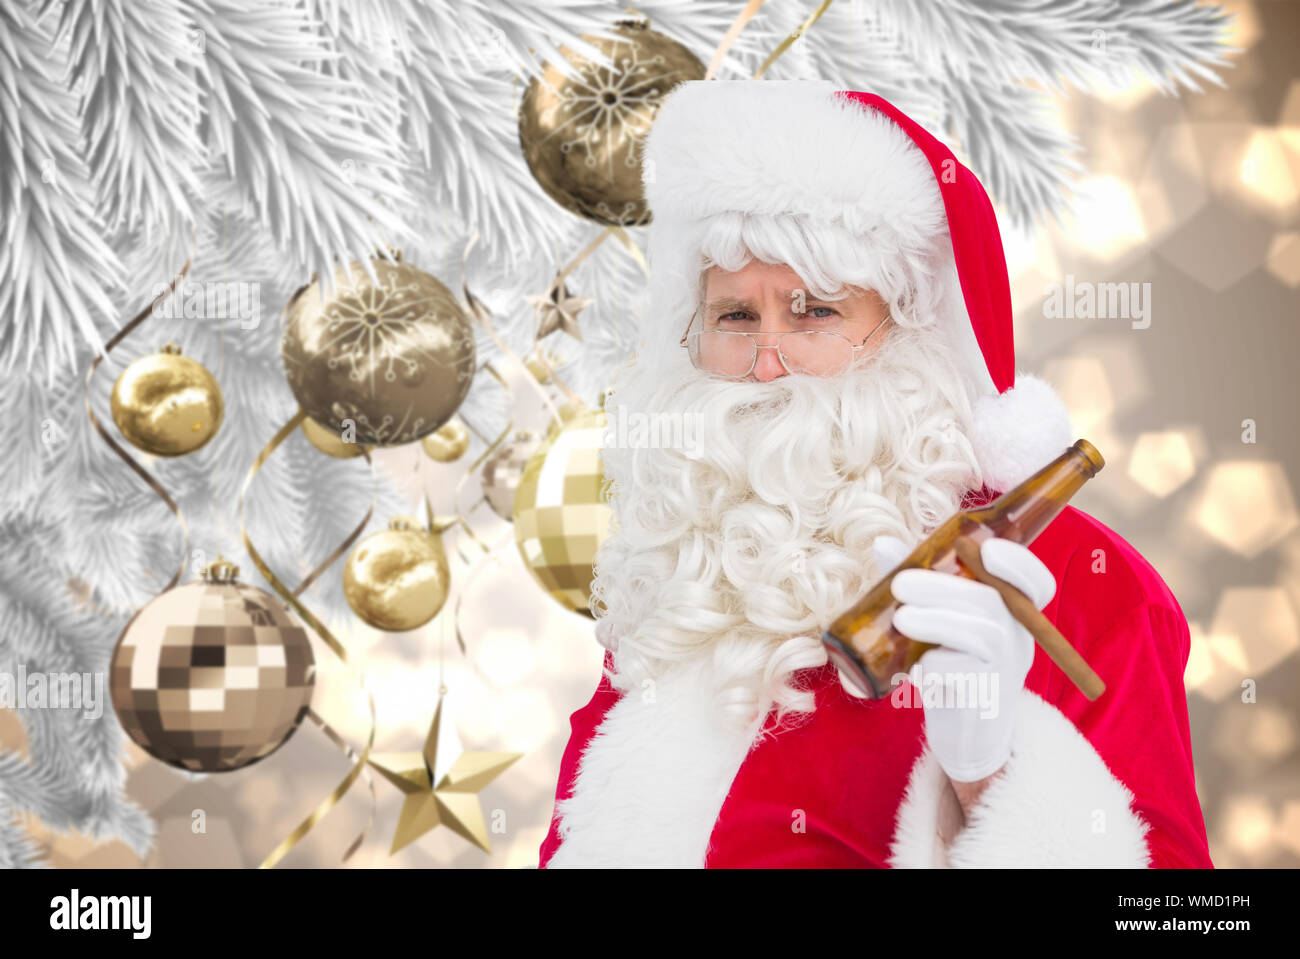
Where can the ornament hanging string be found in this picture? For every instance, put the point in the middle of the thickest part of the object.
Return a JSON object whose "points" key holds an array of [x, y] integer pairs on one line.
{"points": [[461, 518], [290, 597], [484, 317], [130, 461], [558, 284]]}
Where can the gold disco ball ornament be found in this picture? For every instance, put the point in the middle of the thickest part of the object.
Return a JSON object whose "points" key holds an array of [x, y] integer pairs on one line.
{"points": [[329, 442], [503, 470], [397, 579], [560, 519], [393, 359], [447, 443], [582, 135], [167, 404], [212, 676]]}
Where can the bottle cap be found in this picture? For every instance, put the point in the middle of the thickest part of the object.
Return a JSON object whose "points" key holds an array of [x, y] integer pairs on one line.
{"points": [[1090, 454]]}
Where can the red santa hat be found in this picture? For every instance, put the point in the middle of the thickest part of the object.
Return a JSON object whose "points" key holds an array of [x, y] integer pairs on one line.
{"points": [[838, 156]]}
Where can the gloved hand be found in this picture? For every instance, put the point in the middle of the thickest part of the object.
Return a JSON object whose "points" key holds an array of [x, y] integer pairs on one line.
{"points": [[978, 637]]}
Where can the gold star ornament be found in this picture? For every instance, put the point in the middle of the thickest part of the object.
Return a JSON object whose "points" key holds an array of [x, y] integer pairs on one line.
{"points": [[441, 784], [559, 309]]}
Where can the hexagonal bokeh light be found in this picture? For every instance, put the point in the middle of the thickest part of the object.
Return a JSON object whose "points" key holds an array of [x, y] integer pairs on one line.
{"points": [[1246, 505], [1161, 462], [1264, 625], [1284, 258]]}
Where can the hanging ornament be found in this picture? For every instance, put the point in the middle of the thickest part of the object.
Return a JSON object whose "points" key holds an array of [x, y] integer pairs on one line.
{"points": [[582, 135], [441, 785], [398, 579], [167, 404], [329, 442], [558, 310], [212, 676], [504, 468], [393, 358], [565, 415], [540, 365], [560, 520], [447, 443]]}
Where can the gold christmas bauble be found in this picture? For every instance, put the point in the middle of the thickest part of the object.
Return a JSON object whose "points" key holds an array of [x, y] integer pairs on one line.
{"points": [[397, 579], [560, 518], [393, 358], [582, 135], [447, 443], [504, 468], [212, 676], [329, 442], [167, 404]]}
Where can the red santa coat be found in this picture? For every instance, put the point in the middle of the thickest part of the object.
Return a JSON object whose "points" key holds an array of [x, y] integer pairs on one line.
{"points": [[1105, 783]]}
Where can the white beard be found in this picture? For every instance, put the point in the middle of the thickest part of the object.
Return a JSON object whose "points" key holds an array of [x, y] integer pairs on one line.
{"points": [[745, 546], [724, 567]]}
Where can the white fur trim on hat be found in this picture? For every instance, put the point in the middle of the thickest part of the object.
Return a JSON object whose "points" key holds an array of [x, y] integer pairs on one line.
{"points": [[790, 147], [1054, 804]]}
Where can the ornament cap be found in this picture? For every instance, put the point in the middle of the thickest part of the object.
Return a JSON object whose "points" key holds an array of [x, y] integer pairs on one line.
{"points": [[220, 571], [405, 522], [172, 347]]}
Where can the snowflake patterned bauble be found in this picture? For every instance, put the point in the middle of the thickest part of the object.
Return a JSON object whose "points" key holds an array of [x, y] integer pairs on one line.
{"points": [[582, 135], [391, 359]]}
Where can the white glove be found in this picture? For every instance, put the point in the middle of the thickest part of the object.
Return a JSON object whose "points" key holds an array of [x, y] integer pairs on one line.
{"points": [[979, 640]]}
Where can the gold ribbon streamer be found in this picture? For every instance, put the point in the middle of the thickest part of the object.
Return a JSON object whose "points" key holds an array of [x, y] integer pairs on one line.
{"points": [[795, 34], [484, 317], [330, 801], [745, 16], [473, 573], [140, 471], [482, 458], [290, 597]]}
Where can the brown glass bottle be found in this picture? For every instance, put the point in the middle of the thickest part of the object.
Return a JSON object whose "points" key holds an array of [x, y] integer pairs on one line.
{"points": [[863, 641]]}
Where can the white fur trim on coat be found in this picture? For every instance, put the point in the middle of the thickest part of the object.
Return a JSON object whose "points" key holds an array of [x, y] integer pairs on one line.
{"points": [[652, 780], [1055, 804]]}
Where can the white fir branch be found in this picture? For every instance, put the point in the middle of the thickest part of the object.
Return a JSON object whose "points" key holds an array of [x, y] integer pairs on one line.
{"points": [[17, 849], [1056, 43], [1024, 157], [295, 140], [134, 66], [57, 270]]}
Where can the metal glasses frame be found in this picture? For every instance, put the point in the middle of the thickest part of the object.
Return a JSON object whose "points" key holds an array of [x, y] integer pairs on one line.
{"points": [[776, 346]]}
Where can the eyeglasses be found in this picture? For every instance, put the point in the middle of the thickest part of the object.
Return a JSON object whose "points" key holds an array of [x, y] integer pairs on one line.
{"points": [[733, 354]]}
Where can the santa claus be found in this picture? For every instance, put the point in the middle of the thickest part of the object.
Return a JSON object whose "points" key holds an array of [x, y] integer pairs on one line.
{"points": [[830, 313]]}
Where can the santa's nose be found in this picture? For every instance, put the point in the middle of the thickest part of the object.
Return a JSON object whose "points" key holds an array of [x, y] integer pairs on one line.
{"points": [[768, 367]]}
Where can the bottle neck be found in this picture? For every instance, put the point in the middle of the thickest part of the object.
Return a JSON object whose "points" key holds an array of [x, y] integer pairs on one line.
{"points": [[1024, 511]]}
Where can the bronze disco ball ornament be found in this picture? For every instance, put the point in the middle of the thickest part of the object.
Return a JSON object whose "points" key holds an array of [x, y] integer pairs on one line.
{"points": [[212, 676], [561, 517]]}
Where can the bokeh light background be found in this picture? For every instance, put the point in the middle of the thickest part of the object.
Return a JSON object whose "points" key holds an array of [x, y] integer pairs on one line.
{"points": [[1199, 196]]}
